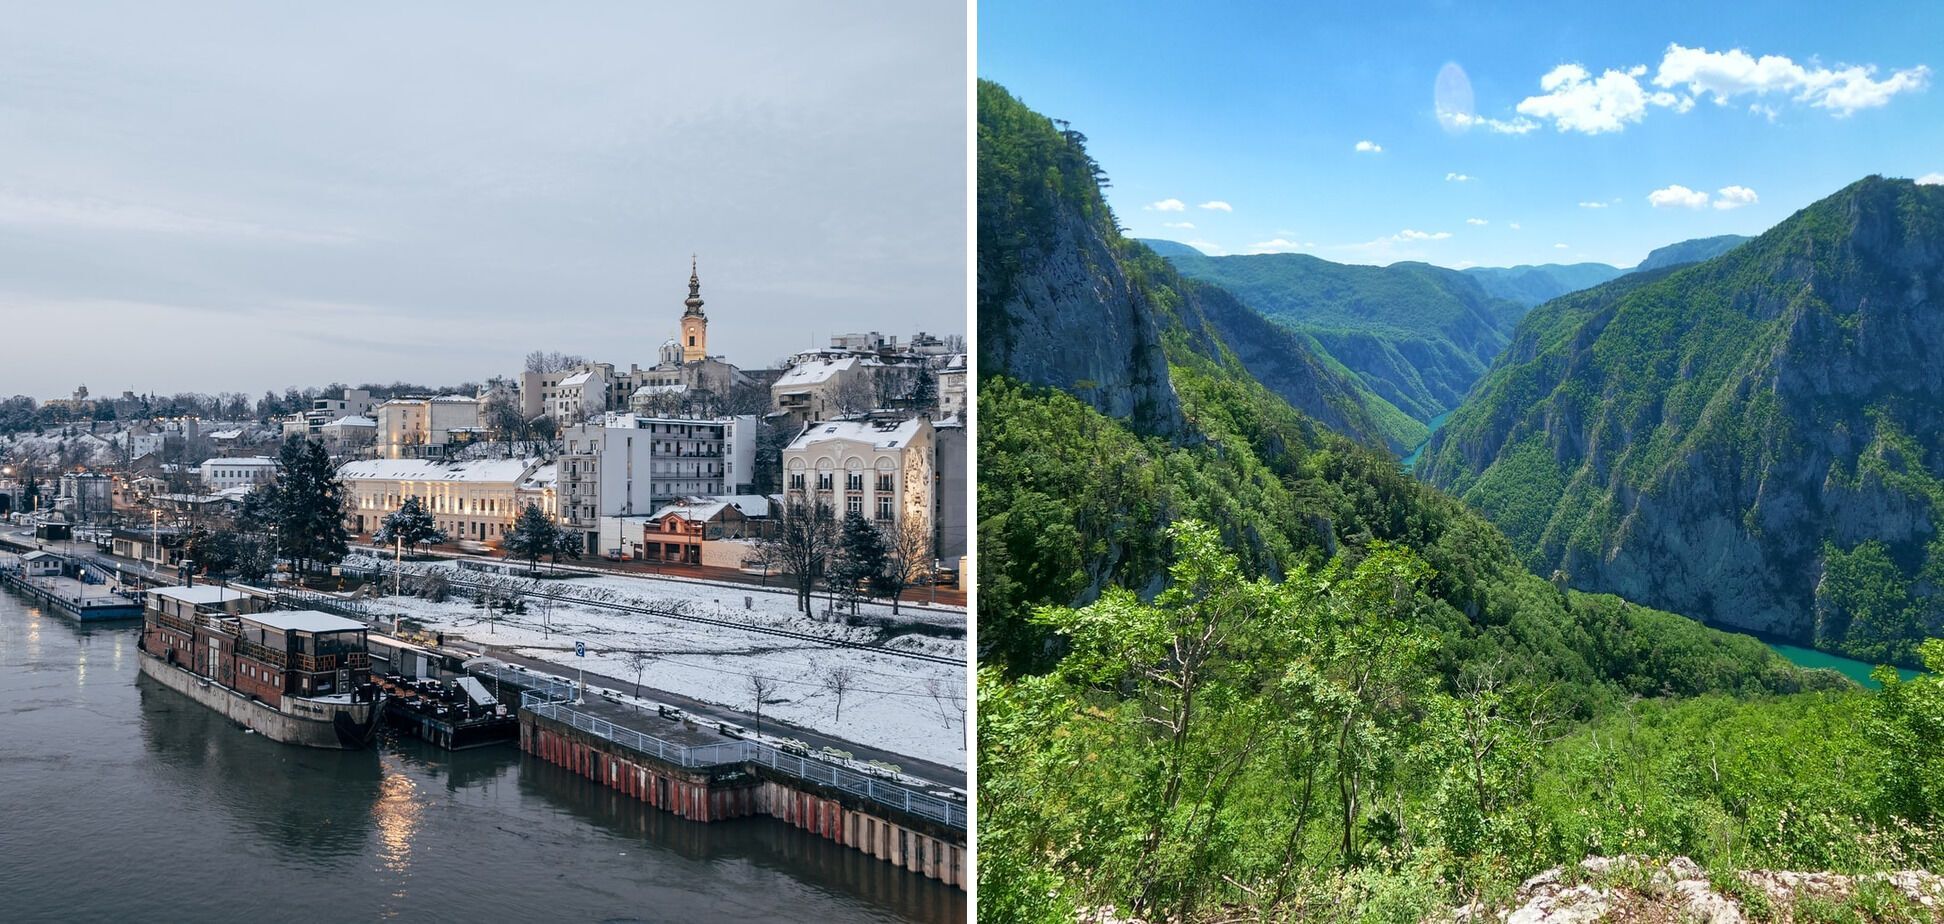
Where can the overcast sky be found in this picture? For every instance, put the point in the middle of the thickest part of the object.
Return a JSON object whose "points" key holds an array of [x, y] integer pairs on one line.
{"points": [[260, 195]]}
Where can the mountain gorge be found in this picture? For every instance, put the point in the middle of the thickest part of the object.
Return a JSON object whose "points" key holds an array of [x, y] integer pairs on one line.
{"points": [[1756, 440], [1235, 664]]}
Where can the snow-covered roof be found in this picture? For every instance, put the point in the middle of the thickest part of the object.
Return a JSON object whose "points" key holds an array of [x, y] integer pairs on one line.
{"points": [[675, 389], [457, 398], [478, 470], [750, 505], [804, 375], [304, 621], [886, 435], [699, 510], [256, 461], [545, 476], [199, 595], [226, 434], [352, 421], [578, 378]]}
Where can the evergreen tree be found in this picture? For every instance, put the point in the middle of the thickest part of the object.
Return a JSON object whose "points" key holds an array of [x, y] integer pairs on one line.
{"points": [[924, 392], [306, 506], [860, 560], [410, 525], [534, 537]]}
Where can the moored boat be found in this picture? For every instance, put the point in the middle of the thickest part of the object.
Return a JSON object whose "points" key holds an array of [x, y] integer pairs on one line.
{"points": [[299, 677]]}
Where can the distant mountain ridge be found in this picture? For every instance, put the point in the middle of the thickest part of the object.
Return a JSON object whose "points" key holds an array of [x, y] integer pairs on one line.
{"points": [[1756, 440], [1419, 336]]}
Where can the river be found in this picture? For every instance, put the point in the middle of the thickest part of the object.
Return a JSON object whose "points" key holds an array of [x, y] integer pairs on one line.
{"points": [[1858, 671], [124, 800]]}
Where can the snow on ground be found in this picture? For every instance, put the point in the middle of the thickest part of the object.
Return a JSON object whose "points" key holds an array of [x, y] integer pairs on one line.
{"points": [[900, 704]]}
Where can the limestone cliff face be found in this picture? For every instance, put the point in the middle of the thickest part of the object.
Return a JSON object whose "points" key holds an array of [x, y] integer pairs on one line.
{"points": [[1069, 318], [1066, 302], [1699, 440]]}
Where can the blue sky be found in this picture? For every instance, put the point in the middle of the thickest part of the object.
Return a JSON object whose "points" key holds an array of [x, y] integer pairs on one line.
{"points": [[1610, 131]]}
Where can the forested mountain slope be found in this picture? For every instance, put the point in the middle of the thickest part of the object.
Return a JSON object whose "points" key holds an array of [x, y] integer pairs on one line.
{"points": [[1756, 440], [1244, 660]]}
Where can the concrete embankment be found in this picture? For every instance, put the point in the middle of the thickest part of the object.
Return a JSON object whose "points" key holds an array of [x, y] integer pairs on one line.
{"points": [[709, 781]]}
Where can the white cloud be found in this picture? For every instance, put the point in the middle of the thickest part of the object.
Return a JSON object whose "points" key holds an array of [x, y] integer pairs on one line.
{"points": [[1677, 196], [1280, 245], [1410, 235], [1767, 112], [1734, 197], [1167, 205], [1514, 226], [1559, 246], [1208, 247], [1216, 205], [1179, 224], [1931, 179], [1577, 101], [1593, 205], [1726, 74], [1369, 147], [1476, 221], [1458, 178], [1465, 120]]}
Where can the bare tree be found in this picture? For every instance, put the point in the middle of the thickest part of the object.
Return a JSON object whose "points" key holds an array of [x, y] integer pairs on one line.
{"points": [[802, 542], [761, 689], [854, 394], [948, 700], [837, 681], [556, 361], [907, 556], [638, 662]]}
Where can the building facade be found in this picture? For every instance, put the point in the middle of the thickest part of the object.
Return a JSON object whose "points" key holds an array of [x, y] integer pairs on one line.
{"points": [[239, 472], [415, 428], [475, 501], [627, 465], [881, 468]]}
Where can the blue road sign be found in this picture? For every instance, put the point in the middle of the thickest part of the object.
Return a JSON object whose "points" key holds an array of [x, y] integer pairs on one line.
{"points": [[580, 649]]}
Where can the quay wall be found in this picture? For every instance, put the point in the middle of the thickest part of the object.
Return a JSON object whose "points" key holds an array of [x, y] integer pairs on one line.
{"points": [[740, 790]]}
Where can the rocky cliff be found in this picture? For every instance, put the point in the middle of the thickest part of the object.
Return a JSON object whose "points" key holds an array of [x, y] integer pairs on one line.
{"points": [[1755, 440], [1066, 302]]}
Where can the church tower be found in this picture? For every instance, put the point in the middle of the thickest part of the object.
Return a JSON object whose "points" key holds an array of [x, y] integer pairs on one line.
{"points": [[695, 324]]}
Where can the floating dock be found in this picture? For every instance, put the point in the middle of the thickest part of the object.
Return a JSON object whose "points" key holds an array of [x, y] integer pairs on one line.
{"points": [[56, 584]]}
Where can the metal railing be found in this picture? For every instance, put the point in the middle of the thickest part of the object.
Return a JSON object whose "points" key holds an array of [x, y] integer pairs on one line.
{"points": [[553, 699]]}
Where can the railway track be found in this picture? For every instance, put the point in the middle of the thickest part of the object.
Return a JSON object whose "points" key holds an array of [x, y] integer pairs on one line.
{"points": [[476, 586]]}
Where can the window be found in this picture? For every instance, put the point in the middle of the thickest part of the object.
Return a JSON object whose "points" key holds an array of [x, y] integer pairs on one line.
{"points": [[854, 482], [823, 481], [854, 504], [796, 481], [884, 508], [884, 482]]}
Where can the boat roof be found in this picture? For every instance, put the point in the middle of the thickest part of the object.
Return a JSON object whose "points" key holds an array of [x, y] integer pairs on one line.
{"points": [[305, 621], [200, 594]]}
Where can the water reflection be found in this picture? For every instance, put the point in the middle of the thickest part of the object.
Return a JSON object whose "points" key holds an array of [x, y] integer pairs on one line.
{"points": [[122, 791], [301, 803]]}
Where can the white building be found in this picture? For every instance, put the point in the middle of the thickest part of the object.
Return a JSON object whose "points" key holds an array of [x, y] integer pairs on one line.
{"points": [[355, 402], [424, 427], [880, 468], [951, 388], [626, 465], [239, 472], [350, 431], [472, 501], [823, 384]]}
